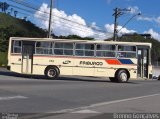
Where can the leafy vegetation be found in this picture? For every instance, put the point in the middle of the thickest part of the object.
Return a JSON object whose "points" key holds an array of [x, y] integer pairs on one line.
{"points": [[73, 37], [3, 58], [13, 27]]}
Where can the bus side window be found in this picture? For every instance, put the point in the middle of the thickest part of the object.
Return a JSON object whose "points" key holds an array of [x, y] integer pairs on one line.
{"points": [[89, 49], [126, 51], [43, 47], [68, 48], [105, 50], [79, 49], [84, 49], [63, 48], [17, 47]]}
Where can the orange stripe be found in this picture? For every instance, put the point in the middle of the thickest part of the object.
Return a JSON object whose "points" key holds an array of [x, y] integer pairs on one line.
{"points": [[113, 61]]}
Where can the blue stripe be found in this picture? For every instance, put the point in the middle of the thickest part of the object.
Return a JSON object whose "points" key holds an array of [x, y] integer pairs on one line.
{"points": [[125, 61]]}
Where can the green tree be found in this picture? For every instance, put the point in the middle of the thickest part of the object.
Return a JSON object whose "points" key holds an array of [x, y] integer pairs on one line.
{"points": [[74, 37], [4, 6]]}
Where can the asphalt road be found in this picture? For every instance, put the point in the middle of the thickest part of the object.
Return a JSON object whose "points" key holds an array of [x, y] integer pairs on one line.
{"points": [[74, 96]]}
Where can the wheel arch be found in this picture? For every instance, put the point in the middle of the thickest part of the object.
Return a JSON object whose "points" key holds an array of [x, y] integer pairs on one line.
{"points": [[128, 74]]}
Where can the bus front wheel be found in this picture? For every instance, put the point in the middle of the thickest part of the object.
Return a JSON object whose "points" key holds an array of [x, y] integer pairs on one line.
{"points": [[122, 76], [52, 72]]}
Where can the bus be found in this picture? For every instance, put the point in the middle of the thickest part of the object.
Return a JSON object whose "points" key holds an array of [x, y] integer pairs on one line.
{"points": [[119, 61]]}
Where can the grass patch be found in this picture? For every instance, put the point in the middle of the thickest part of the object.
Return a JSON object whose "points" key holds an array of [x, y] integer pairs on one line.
{"points": [[3, 58]]}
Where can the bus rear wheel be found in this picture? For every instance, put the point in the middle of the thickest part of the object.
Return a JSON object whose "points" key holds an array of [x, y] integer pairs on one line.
{"points": [[52, 72], [122, 76]]}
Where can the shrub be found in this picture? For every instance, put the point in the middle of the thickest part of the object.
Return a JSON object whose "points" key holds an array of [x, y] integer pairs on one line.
{"points": [[3, 58]]}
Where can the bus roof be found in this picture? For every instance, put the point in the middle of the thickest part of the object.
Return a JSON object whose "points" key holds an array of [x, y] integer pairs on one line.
{"points": [[76, 41]]}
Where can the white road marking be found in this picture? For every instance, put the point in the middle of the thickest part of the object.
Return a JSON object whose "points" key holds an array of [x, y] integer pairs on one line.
{"points": [[85, 111], [122, 100], [102, 104], [12, 97]]}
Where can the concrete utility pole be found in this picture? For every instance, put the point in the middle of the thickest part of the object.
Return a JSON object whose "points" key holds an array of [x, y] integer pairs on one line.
{"points": [[117, 13], [50, 20]]}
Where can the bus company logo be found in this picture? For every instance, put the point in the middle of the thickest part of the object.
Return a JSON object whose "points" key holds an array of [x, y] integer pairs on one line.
{"points": [[66, 62], [91, 63]]}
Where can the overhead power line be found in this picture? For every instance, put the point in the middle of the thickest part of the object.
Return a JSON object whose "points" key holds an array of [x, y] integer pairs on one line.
{"points": [[26, 10], [128, 21], [28, 5], [34, 8], [37, 9], [70, 26]]}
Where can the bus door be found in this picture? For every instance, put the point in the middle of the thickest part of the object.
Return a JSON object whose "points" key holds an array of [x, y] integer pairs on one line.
{"points": [[27, 56], [143, 62]]}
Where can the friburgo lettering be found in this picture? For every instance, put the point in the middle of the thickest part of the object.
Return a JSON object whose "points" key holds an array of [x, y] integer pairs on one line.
{"points": [[90, 63]]}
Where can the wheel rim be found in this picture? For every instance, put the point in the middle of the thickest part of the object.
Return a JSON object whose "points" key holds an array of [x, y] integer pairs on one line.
{"points": [[123, 77], [51, 73]]}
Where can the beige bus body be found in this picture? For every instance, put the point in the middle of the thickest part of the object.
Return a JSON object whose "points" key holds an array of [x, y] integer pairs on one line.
{"points": [[37, 63]]}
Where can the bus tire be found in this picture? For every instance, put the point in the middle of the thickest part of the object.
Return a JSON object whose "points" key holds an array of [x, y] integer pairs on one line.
{"points": [[122, 76], [52, 72], [112, 79]]}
